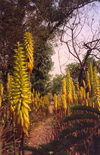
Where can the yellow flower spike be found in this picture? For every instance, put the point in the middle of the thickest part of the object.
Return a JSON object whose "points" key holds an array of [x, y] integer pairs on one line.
{"points": [[96, 88], [64, 102], [88, 81], [84, 84], [84, 94], [38, 94], [69, 98], [89, 86], [59, 101], [20, 94], [64, 86], [88, 96], [32, 96], [12, 109], [28, 43], [1, 89], [0, 101], [55, 101], [83, 103], [69, 88], [87, 103], [33, 91], [93, 104], [91, 74]]}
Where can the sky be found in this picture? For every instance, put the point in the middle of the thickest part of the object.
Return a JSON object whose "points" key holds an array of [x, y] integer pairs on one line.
{"points": [[92, 17]]}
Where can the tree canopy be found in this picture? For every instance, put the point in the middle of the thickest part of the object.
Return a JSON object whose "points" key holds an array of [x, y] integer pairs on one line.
{"points": [[42, 18], [56, 85]]}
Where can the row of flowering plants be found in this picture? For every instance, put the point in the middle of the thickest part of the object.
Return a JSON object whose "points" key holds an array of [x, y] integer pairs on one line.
{"points": [[77, 115]]}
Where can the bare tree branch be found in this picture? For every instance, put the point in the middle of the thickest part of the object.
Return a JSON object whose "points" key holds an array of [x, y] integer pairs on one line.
{"points": [[76, 47], [59, 63]]}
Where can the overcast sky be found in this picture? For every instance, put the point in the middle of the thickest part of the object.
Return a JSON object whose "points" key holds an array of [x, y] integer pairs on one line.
{"points": [[93, 15]]}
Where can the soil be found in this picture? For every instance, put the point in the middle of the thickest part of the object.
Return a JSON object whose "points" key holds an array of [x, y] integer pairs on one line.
{"points": [[41, 133]]}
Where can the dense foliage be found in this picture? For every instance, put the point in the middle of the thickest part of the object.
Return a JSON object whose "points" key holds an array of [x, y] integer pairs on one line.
{"points": [[43, 19], [77, 118]]}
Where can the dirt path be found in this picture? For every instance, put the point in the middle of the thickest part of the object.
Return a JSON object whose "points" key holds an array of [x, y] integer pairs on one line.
{"points": [[41, 133]]}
